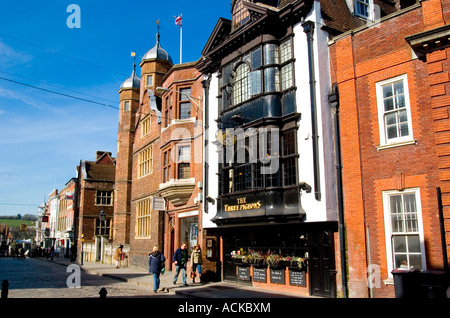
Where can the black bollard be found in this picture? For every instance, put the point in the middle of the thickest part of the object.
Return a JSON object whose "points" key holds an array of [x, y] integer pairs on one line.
{"points": [[5, 286], [103, 292]]}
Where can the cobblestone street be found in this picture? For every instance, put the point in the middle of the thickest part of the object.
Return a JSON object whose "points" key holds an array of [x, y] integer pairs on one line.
{"points": [[37, 278]]}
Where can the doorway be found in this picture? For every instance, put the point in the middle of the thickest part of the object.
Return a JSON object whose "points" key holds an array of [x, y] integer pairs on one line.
{"points": [[322, 264]]}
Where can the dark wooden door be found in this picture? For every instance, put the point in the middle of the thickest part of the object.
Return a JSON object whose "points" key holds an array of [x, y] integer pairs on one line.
{"points": [[322, 265], [229, 268]]}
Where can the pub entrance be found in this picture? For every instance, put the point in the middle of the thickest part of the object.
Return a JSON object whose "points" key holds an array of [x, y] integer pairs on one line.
{"points": [[322, 264], [313, 242]]}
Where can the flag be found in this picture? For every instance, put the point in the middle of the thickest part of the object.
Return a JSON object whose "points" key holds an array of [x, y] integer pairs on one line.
{"points": [[69, 196], [178, 20]]}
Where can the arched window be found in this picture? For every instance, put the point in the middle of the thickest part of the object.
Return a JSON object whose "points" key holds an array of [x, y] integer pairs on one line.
{"points": [[241, 87]]}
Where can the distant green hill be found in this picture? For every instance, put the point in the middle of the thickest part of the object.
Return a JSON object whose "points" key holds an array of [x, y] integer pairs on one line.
{"points": [[16, 223]]}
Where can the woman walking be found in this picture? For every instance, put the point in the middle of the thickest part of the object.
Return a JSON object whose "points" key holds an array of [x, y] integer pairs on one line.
{"points": [[155, 264], [196, 259], [118, 254]]}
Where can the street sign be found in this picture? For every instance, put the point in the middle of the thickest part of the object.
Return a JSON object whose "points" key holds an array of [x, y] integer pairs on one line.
{"points": [[158, 204]]}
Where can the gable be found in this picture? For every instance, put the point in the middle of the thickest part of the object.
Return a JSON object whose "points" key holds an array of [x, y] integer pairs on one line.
{"points": [[105, 159], [218, 35]]}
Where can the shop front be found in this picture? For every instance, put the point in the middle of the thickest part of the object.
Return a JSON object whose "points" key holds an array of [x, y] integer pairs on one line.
{"points": [[182, 228], [266, 245], [189, 229], [297, 258]]}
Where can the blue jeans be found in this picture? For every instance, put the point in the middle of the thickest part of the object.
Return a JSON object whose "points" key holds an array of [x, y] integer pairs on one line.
{"points": [[177, 272], [156, 281]]}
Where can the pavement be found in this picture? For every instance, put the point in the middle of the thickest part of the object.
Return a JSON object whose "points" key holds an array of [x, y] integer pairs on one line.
{"points": [[141, 277]]}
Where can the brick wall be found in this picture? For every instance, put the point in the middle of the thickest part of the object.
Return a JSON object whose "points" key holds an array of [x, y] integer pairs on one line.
{"points": [[358, 62], [438, 66]]}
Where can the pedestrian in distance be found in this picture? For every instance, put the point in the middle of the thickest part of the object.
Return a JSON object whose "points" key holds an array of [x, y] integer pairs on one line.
{"points": [[196, 260], [73, 255], [180, 259], [117, 255], [156, 266]]}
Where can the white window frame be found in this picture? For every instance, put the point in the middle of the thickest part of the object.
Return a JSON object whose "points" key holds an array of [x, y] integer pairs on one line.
{"points": [[149, 80], [399, 141], [126, 105], [388, 227], [369, 4]]}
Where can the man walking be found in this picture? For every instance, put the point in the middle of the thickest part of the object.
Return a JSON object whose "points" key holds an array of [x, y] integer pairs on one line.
{"points": [[180, 258]]}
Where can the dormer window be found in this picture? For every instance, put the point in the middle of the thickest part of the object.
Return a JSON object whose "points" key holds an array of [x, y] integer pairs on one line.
{"points": [[363, 8], [240, 14]]}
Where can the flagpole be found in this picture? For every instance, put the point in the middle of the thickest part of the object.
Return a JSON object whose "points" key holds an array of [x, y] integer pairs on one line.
{"points": [[181, 43], [179, 22]]}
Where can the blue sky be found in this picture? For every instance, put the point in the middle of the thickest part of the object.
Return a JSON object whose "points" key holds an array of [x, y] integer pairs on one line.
{"points": [[43, 136]]}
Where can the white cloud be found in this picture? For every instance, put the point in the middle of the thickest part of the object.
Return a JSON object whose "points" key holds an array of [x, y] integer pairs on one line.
{"points": [[18, 96], [10, 57]]}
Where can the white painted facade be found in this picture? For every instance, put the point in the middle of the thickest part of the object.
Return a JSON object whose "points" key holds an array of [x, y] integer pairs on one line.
{"points": [[322, 210]]}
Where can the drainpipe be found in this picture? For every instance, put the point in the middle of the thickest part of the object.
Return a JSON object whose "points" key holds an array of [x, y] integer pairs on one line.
{"points": [[308, 28], [205, 84], [333, 99], [442, 226]]}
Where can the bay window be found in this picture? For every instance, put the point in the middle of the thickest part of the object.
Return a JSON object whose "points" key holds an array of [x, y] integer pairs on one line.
{"points": [[267, 68], [245, 168]]}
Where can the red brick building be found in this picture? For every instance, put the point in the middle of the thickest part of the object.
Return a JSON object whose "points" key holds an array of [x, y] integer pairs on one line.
{"points": [[94, 194], [159, 157], [393, 84], [182, 156]]}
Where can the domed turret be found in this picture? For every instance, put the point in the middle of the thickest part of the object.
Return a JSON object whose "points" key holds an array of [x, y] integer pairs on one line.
{"points": [[132, 82], [157, 52]]}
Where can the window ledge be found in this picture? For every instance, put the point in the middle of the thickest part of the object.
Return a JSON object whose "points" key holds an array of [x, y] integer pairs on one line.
{"points": [[389, 281], [177, 191], [397, 144], [143, 237], [179, 121]]}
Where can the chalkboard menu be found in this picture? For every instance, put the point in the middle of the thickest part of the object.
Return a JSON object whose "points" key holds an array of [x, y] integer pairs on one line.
{"points": [[259, 275], [243, 273], [297, 278], [277, 276]]}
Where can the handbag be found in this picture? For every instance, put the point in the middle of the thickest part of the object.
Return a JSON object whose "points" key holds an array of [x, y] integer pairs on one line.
{"points": [[193, 275]]}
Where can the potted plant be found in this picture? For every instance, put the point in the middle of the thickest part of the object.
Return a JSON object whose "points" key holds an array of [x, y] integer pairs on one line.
{"points": [[273, 260], [256, 259], [298, 263]]}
